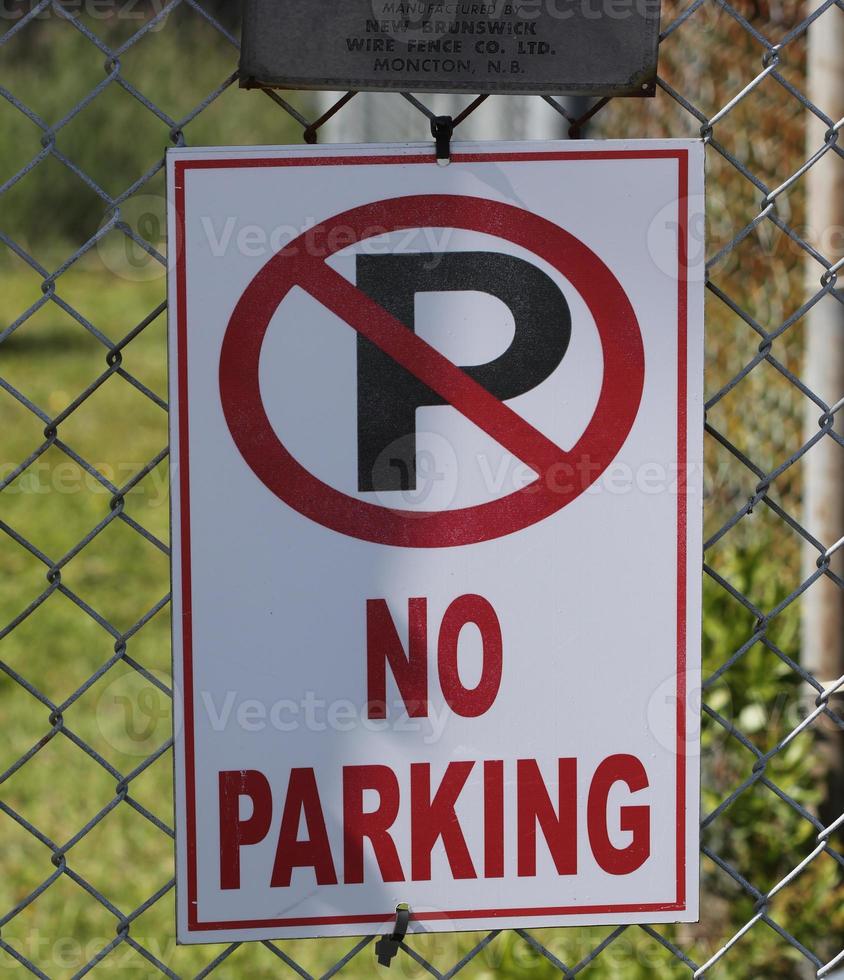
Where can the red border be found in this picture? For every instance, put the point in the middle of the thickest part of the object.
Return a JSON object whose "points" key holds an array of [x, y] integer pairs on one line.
{"points": [[180, 168]]}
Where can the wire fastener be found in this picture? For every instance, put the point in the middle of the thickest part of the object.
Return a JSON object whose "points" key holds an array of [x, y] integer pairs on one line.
{"points": [[442, 129], [387, 946]]}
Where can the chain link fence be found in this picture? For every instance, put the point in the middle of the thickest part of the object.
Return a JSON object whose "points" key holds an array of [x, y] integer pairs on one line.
{"points": [[91, 92]]}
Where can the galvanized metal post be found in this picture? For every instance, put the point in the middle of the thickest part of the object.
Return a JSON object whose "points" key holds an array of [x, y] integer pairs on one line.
{"points": [[823, 603]]}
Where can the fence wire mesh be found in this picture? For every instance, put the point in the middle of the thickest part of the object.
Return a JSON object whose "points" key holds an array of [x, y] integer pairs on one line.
{"points": [[92, 92]]}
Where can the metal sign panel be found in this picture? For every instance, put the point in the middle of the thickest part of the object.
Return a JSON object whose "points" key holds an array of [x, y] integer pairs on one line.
{"points": [[437, 453], [587, 47]]}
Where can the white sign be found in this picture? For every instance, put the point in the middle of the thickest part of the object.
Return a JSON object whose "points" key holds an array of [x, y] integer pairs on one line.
{"points": [[436, 442]]}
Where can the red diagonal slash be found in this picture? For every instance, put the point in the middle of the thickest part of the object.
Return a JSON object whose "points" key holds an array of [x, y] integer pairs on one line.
{"points": [[426, 363], [296, 265]]}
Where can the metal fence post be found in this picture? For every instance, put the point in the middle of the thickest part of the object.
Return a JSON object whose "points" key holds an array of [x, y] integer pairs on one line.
{"points": [[823, 604]]}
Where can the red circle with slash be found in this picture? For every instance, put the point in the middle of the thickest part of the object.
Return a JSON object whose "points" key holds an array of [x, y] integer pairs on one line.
{"points": [[615, 413]]}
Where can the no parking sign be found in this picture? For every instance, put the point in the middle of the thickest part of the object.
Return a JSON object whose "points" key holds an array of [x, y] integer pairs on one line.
{"points": [[436, 532]]}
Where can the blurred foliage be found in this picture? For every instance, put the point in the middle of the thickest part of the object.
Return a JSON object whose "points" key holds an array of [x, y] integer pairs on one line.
{"points": [[760, 835], [52, 210], [708, 61], [115, 139]]}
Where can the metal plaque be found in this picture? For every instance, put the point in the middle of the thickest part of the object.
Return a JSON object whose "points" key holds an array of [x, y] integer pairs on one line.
{"points": [[550, 47]]}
